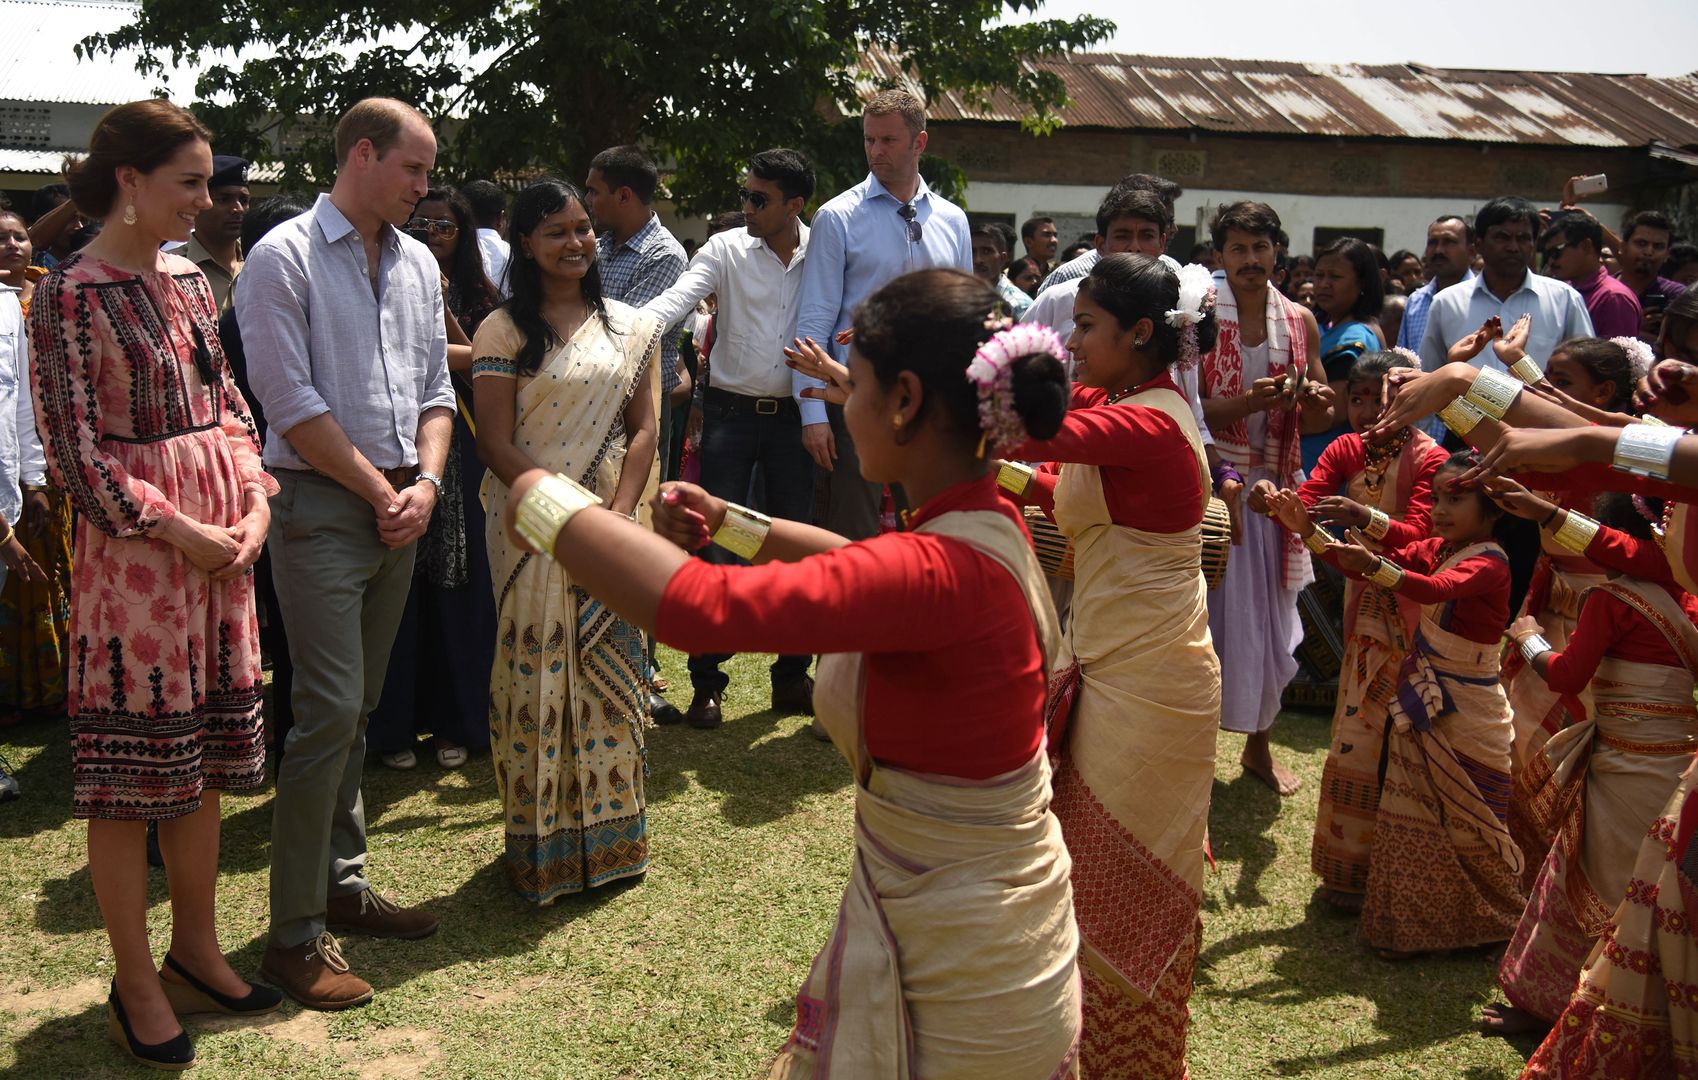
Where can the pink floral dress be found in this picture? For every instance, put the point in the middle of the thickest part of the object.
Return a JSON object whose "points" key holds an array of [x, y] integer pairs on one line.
{"points": [[141, 420]]}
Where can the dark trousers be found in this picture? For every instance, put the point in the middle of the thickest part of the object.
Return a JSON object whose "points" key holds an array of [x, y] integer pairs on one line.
{"points": [[853, 508], [735, 439]]}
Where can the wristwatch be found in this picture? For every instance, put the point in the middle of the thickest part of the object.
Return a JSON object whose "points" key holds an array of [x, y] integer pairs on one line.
{"points": [[433, 478]]}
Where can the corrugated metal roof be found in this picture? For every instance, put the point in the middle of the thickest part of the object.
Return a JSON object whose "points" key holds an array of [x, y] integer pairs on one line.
{"points": [[1403, 101], [38, 59]]}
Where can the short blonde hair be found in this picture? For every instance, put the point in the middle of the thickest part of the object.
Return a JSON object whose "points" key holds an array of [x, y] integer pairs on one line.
{"points": [[379, 119], [900, 103]]}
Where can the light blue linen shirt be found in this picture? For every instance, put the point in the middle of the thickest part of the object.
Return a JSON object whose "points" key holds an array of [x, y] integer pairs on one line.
{"points": [[1415, 314], [320, 340], [860, 243], [1558, 314], [21, 458]]}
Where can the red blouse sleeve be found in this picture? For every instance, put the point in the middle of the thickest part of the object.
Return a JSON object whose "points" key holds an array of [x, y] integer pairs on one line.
{"points": [[1417, 521], [1109, 435], [1595, 476], [1604, 619], [1616, 550], [1478, 576], [904, 592], [1342, 459]]}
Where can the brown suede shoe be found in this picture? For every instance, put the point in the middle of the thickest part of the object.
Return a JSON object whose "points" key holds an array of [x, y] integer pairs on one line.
{"points": [[375, 915], [314, 974], [794, 696]]}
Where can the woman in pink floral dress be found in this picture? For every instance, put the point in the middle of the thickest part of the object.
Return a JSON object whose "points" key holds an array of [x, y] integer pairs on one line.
{"points": [[146, 433]]}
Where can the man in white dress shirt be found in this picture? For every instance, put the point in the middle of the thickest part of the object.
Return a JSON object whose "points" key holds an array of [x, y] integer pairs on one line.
{"points": [[750, 414], [489, 209]]}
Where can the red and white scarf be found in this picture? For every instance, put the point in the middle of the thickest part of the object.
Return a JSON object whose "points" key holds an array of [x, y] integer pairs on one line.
{"points": [[1223, 376]]}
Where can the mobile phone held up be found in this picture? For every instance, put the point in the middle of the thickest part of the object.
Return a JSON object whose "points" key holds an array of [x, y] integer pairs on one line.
{"points": [[1596, 184]]}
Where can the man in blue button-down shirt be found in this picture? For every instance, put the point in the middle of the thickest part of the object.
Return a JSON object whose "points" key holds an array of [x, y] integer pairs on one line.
{"points": [[888, 225], [346, 344]]}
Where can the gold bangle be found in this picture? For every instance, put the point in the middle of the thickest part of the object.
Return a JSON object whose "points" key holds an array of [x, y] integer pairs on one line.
{"points": [[743, 531], [546, 509], [1461, 417], [1015, 477], [1378, 522], [1387, 575], [1492, 392], [1526, 370], [11, 531], [1575, 533], [1316, 542]]}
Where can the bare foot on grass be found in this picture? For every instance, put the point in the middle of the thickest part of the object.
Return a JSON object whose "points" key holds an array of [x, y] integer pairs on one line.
{"points": [[1258, 760]]}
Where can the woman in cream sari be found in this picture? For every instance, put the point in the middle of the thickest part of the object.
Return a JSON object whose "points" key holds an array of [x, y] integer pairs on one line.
{"points": [[564, 379], [953, 955], [1127, 482]]}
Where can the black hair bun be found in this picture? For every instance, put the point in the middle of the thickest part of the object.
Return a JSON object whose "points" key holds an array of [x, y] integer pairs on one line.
{"points": [[1040, 393]]}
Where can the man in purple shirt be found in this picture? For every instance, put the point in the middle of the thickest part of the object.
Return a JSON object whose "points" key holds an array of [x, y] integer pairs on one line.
{"points": [[1572, 250], [1644, 247]]}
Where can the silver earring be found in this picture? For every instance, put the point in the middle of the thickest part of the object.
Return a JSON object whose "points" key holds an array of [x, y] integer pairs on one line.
{"points": [[129, 214]]}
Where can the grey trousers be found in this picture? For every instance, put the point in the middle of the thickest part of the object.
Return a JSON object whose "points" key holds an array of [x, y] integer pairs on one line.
{"points": [[342, 593], [853, 508]]}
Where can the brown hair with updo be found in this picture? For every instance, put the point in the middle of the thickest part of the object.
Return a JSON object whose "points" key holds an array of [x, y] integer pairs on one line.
{"points": [[931, 322], [143, 135]]}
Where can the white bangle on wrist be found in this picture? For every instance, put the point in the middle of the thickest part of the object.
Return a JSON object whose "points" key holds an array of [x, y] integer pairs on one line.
{"points": [[1493, 392], [1378, 523], [1532, 645], [1646, 449]]}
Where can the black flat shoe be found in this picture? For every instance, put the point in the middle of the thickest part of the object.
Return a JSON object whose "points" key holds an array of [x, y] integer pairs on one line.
{"points": [[173, 1055], [198, 997]]}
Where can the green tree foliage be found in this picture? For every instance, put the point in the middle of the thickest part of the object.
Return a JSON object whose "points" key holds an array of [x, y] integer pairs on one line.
{"points": [[544, 84]]}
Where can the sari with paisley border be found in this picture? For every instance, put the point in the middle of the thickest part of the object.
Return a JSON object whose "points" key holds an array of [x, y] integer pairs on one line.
{"points": [[954, 952]]}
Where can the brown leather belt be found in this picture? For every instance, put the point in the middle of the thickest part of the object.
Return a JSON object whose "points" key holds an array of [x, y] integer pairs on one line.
{"points": [[405, 476]]}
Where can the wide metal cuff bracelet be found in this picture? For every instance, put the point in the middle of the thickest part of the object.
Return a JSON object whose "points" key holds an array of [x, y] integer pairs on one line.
{"points": [[1526, 370], [1532, 645], [1387, 575], [1015, 478], [1378, 522], [546, 509], [1316, 542], [1461, 417], [1646, 449], [743, 531], [1576, 532], [1493, 392]]}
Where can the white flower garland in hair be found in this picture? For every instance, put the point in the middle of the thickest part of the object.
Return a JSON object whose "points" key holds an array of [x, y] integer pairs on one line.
{"points": [[992, 373], [1639, 355], [1196, 299]]}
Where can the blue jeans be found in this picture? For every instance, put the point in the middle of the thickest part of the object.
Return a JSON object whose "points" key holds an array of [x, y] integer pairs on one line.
{"points": [[735, 440]]}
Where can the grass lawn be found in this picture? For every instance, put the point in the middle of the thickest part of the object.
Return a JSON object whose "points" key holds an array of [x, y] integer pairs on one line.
{"points": [[690, 973]]}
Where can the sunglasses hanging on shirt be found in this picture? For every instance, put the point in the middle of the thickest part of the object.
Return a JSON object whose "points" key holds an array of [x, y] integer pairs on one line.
{"points": [[907, 213]]}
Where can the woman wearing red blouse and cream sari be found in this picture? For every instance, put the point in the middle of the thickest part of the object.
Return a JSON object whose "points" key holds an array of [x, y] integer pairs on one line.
{"points": [[954, 950]]}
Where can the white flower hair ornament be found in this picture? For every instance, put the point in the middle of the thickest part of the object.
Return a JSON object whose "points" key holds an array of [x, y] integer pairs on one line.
{"points": [[1408, 354], [992, 374], [1639, 355], [1196, 299]]}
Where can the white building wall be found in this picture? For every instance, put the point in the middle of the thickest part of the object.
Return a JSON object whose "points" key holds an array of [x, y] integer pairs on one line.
{"points": [[1405, 221]]}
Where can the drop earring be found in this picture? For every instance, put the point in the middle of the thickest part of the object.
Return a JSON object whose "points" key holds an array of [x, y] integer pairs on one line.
{"points": [[896, 421], [129, 214]]}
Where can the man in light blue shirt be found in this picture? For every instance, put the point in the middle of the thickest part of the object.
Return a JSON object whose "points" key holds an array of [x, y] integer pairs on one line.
{"points": [[888, 225], [342, 324], [1449, 258], [1508, 230]]}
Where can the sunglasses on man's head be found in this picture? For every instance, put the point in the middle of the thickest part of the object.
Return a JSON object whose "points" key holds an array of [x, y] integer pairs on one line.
{"points": [[432, 226], [756, 199], [906, 212]]}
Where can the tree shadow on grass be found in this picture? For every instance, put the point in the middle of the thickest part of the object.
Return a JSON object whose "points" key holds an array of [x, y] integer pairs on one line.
{"points": [[1417, 1003], [45, 779], [1243, 812], [762, 778]]}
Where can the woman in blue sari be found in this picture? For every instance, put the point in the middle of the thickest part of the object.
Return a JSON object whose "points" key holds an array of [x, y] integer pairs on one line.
{"points": [[1349, 293]]}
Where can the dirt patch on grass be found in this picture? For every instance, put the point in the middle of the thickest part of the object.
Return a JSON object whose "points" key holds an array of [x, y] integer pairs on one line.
{"points": [[400, 1052], [57, 999]]}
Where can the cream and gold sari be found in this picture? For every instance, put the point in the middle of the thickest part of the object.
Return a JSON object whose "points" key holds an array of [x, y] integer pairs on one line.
{"points": [[569, 690], [953, 956], [1444, 872], [1591, 793], [1134, 775]]}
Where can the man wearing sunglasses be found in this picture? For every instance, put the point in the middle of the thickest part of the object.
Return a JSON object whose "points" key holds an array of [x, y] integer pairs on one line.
{"points": [[1571, 250], [888, 225], [750, 415], [1507, 228]]}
